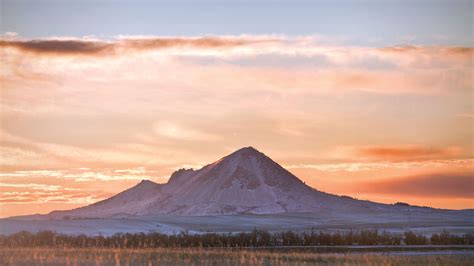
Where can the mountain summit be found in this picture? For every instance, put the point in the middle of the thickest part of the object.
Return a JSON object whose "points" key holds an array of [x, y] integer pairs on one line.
{"points": [[246, 181]]}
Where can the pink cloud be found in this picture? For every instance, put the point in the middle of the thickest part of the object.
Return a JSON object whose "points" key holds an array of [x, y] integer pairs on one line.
{"points": [[443, 185], [408, 152]]}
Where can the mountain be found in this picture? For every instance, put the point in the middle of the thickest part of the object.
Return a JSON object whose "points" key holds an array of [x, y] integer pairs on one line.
{"points": [[244, 182], [125, 203]]}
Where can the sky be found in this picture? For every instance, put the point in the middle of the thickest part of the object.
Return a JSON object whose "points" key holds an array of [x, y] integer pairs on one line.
{"points": [[371, 99]]}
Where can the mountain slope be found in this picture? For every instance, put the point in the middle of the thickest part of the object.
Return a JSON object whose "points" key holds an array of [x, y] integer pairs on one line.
{"points": [[129, 202], [246, 181]]}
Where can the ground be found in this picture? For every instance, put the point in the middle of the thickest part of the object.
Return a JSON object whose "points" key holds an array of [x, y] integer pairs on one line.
{"points": [[193, 256]]}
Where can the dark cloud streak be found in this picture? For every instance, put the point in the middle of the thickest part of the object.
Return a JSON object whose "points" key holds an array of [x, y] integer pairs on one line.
{"points": [[60, 47], [97, 47], [408, 152], [466, 52], [442, 185]]}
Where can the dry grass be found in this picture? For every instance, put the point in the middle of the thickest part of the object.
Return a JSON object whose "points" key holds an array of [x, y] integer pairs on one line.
{"points": [[169, 256]]}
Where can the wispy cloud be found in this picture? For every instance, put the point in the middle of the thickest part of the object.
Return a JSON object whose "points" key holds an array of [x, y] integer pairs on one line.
{"points": [[278, 63], [33, 193], [96, 47], [434, 185], [466, 115], [31, 186], [248, 45], [456, 51], [59, 47], [50, 197], [67, 186], [408, 152], [77, 175], [380, 165], [176, 131]]}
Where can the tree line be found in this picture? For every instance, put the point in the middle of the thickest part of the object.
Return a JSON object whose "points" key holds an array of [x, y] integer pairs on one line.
{"points": [[255, 238]]}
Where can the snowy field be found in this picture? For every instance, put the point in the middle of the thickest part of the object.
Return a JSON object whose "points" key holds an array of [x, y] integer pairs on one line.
{"points": [[425, 223]]}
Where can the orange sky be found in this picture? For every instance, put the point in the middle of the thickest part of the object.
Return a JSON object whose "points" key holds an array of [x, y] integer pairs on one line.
{"points": [[84, 118]]}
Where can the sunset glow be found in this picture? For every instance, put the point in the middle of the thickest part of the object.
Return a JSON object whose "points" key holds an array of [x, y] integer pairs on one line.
{"points": [[86, 115]]}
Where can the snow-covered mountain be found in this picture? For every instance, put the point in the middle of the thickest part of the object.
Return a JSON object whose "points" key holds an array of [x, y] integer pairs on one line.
{"points": [[246, 181]]}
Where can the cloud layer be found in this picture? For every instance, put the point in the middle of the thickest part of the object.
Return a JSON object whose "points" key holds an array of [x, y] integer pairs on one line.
{"points": [[443, 185], [326, 110], [409, 152], [96, 47]]}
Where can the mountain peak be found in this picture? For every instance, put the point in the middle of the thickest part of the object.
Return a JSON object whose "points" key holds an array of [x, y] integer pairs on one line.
{"points": [[246, 151], [248, 148]]}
